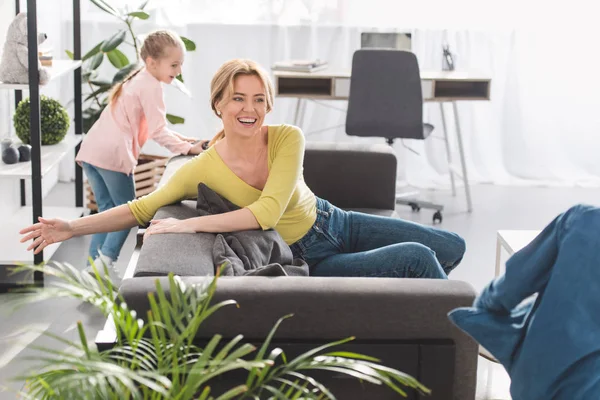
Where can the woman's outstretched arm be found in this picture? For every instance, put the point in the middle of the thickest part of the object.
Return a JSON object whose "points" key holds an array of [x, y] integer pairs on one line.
{"points": [[49, 231]]}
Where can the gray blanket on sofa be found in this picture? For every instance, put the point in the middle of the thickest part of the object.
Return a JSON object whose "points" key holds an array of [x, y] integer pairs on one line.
{"points": [[254, 252]]}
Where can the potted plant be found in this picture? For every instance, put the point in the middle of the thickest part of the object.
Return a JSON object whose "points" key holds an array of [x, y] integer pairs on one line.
{"points": [[155, 357], [54, 121]]}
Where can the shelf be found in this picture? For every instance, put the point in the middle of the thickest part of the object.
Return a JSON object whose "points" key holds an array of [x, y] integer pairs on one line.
{"points": [[12, 252], [50, 157], [58, 68]]}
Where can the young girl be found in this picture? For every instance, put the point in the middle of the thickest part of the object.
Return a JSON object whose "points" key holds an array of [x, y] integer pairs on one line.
{"points": [[135, 113]]}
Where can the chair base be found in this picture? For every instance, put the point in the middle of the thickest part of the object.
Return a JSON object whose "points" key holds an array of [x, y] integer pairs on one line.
{"points": [[416, 204], [409, 200]]}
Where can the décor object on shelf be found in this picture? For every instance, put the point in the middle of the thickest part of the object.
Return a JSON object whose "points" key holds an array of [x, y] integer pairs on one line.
{"points": [[6, 143], [45, 58], [14, 64], [10, 155], [54, 121], [24, 152]]}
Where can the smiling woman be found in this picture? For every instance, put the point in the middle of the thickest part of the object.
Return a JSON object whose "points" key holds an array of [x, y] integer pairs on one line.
{"points": [[240, 82], [259, 168]]}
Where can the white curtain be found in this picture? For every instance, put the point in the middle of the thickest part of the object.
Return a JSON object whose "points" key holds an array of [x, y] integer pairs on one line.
{"points": [[541, 127]]}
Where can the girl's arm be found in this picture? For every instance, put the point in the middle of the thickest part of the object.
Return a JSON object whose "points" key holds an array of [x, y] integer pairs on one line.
{"points": [[184, 138], [155, 111]]}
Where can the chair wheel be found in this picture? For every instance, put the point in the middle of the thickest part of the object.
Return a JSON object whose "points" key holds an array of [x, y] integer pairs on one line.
{"points": [[437, 217], [414, 206]]}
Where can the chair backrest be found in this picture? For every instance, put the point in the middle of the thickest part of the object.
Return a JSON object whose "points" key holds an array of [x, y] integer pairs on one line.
{"points": [[385, 95]]}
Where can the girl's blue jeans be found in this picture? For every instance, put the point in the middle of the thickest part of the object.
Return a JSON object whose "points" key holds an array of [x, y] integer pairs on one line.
{"points": [[111, 189]]}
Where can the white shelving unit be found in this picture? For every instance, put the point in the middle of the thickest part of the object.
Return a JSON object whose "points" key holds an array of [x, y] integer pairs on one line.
{"points": [[43, 158], [50, 157], [58, 69]]}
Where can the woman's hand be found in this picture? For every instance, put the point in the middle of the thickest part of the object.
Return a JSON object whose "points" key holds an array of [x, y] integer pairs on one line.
{"points": [[198, 147], [46, 232], [168, 225]]}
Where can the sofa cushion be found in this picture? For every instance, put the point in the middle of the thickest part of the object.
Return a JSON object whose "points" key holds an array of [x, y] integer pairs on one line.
{"points": [[183, 254]]}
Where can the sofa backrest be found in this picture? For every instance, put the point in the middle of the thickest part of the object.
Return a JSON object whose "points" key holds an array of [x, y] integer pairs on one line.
{"points": [[352, 176]]}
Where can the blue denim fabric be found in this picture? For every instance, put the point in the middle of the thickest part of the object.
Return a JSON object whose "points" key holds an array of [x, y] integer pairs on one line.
{"points": [[541, 319], [110, 189], [347, 243]]}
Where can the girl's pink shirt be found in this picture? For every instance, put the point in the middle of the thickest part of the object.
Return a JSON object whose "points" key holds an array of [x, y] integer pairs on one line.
{"points": [[114, 142]]}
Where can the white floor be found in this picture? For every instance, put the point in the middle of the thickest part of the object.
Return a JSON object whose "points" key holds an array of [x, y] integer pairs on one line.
{"points": [[495, 208]]}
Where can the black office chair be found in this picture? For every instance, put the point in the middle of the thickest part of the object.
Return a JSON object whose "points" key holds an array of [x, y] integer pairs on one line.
{"points": [[386, 101]]}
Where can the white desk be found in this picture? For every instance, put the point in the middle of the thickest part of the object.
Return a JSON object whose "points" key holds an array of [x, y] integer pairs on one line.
{"points": [[512, 241], [441, 87]]}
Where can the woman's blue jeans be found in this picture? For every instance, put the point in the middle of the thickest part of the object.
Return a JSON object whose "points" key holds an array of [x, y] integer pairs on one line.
{"points": [[347, 243], [111, 189]]}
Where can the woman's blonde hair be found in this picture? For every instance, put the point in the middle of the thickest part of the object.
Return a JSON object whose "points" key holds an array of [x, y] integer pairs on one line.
{"points": [[222, 82], [155, 46]]}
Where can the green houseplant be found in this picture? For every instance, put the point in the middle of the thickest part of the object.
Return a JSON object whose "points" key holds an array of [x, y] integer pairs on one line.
{"points": [[54, 121], [96, 98], [156, 358]]}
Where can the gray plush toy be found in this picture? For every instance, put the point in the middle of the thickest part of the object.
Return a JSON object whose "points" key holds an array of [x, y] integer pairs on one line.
{"points": [[13, 67]]}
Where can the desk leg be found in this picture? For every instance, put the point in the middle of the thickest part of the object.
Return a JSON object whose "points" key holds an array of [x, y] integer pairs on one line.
{"points": [[462, 157], [299, 114], [448, 152]]}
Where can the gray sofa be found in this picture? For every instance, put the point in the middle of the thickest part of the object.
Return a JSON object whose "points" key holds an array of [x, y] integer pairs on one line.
{"points": [[402, 321]]}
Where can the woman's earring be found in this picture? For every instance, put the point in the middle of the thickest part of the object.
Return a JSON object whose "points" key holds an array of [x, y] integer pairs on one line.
{"points": [[218, 113]]}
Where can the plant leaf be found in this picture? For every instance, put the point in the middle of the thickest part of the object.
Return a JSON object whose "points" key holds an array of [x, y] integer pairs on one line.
{"points": [[70, 54], [309, 354], [123, 72], [189, 44], [263, 349], [231, 393], [96, 60], [117, 58], [105, 6], [179, 78], [100, 90], [114, 41], [139, 14], [348, 354], [143, 5], [93, 51], [174, 119], [313, 382], [181, 87], [100, 82]]}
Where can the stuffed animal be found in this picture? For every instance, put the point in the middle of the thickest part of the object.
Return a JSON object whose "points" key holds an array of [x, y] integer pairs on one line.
{"points": [[13, 67]]}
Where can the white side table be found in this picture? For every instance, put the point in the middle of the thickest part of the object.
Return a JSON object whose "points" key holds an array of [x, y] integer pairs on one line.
{"points": [[512, 241]]}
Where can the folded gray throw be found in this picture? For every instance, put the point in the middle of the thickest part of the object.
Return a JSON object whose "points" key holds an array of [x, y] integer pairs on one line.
{"points": [[253, 252]]}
